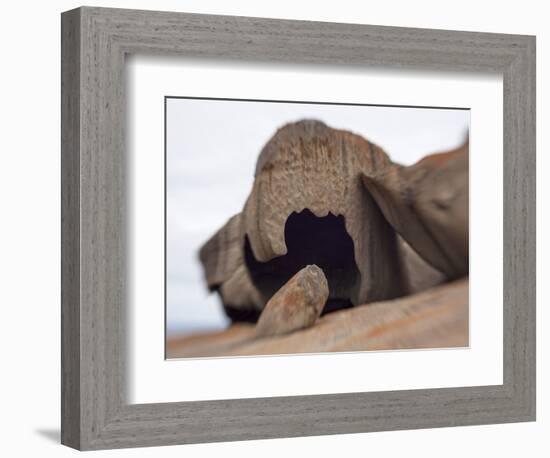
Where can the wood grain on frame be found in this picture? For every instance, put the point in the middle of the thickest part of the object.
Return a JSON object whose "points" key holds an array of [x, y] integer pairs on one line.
{"points": [[95, 411]]}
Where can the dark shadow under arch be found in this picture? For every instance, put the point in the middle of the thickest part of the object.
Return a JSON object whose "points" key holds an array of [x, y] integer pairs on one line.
{"points": [[323, 241]]}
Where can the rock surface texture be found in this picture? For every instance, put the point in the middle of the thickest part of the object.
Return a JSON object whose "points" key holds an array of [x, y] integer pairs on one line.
{"points": [[427, 204], [296, 305]]}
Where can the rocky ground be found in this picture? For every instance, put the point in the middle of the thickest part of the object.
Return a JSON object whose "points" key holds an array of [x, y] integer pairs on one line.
{"points": [[434, 318]]}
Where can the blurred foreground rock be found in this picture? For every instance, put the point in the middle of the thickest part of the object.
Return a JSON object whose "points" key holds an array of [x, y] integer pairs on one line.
{"points": [[435, 318]]}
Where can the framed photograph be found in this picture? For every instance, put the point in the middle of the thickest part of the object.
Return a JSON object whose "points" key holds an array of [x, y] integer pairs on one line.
{"points": [[277, 228], [328, 198]]}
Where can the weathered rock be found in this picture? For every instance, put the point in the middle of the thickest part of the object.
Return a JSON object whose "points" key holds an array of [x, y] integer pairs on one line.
{"points": [[225, 272], [241, 299], [329, 197], [419, 273], [296, 305], [221, 255], [308, 185], [427, 204], [435, 318]]}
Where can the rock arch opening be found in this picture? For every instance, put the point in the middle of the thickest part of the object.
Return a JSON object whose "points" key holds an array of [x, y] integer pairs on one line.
{"points": [[323, 241]]}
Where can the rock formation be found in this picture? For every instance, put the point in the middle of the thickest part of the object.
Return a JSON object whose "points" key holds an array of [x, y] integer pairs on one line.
{"points": [[329, 197]]}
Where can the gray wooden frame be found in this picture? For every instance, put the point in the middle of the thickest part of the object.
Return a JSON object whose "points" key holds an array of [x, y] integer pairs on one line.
{"points": [[95, 413]]}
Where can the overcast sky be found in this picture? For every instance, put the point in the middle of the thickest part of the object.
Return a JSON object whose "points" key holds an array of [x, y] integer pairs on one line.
{"points": [[211, 152]]}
